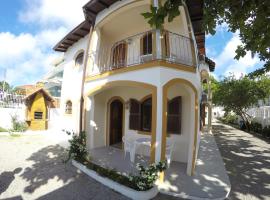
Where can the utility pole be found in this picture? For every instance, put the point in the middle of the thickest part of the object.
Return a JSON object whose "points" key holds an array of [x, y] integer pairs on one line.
{"points": [[4, 82]]}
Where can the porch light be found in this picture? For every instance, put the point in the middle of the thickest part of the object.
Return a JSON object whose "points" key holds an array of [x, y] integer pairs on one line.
{"points": [[127, 103], [129, 40]]}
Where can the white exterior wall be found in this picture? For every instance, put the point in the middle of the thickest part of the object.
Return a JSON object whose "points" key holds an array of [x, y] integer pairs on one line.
{"points": [[157, 76], [6, 113], [55, 119], [71, 86]]}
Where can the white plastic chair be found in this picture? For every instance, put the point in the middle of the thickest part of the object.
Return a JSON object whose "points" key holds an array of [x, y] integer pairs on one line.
{"points": [[128, 145], [169, 150]]}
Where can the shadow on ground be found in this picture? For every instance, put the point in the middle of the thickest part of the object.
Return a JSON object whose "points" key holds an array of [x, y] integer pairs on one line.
{"points": [[7, 177], [47, 165], [247, 163]]}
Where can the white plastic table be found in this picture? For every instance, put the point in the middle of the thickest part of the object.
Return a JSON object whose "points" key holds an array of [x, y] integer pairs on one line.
{"points": [[138, 142]]}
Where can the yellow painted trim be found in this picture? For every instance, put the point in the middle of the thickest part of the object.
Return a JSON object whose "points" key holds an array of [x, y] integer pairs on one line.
{"points": [[156, 63], [108, 120], [164, 118], [144, 132], [153, 90]]}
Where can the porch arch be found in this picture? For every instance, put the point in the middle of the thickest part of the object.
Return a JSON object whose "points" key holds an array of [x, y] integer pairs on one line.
{"points": [[153, 90], [164, 118]]}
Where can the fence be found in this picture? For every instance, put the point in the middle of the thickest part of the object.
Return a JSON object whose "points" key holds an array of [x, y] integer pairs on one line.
{"points": [[11, 100]]}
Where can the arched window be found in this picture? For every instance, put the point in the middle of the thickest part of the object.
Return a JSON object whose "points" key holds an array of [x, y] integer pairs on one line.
{"points": [[79, 60], [68, 107], [119, 55], [174, 115], [146, 44], [140, 117]]}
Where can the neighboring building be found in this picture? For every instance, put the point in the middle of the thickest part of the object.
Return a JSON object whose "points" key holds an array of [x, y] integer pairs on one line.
{"points": [[135, 81], [38, 104], [52, 81]]}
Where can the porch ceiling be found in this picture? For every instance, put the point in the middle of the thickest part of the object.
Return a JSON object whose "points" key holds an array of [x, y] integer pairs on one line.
{"points": [[93, 7]]}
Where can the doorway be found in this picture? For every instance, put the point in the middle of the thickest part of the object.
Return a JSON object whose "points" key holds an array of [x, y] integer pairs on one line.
{"points": [[116, 123]]}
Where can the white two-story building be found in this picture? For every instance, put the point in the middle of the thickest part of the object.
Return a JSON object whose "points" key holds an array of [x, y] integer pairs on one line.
{"points": [[122, 79]]}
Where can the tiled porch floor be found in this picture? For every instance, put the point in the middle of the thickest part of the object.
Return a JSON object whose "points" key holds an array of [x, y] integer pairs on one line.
{"points": [[209, 182], [114, 158]]}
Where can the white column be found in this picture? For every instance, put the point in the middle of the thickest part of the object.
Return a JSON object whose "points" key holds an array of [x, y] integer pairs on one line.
{"points": [[159, 124], [89, 118], [158, 36], [209, 126]]}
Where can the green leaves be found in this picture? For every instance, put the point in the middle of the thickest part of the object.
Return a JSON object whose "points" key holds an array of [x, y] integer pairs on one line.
{"points": [[238, 95], [156, 17], [250, 18]]}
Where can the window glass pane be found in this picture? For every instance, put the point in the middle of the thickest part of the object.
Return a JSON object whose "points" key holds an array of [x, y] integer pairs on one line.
{"points": [[147, 44], [38, 115], [79, 60], [68, 107], [174, 116], [147, 114], [134, 116]]}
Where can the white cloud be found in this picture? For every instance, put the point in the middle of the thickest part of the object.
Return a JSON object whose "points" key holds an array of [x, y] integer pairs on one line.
{"points": [[27, 56], [51, 12], [225, 60]]}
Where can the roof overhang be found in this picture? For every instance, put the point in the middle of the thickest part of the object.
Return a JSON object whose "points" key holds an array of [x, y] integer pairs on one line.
{"points": [[93, 7], [73, 36]]}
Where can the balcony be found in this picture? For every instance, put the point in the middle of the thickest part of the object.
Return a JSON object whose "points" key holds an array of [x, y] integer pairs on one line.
{"points": [[143, 48]]}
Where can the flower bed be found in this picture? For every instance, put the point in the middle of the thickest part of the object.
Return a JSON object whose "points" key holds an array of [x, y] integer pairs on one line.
{"points": [[116, 181]]}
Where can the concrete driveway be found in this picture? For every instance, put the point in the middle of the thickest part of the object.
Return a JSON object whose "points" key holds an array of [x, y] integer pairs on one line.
{"points": [[31, 168], [247, 160]]}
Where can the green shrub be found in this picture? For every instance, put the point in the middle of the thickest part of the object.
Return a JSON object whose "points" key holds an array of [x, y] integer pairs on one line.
{"points": [[147, 176], [2, 129], [266, 131], [229, 119], [17, 125], [142, 182], [77, 148], [256, 127]]}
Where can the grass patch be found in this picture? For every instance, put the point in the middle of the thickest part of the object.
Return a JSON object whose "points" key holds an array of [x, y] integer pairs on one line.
{"points": [[3, 129], [15, 135]]}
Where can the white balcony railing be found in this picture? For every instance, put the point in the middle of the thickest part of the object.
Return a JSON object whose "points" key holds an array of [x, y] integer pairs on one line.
{"points": [[141, 48]]}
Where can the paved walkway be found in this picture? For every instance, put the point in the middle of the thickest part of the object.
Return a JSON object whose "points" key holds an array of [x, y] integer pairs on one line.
{"points": [[247, 160], [210, 180], [31, 168]]}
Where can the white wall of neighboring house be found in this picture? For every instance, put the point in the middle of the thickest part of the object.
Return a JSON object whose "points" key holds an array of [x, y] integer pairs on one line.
{"points": [[217, 111], [7, 113], [71, 86]]}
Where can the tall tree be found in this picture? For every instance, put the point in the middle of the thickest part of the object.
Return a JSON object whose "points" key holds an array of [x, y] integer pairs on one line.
{"points": [[5, 86], [238, 95], [250, 17]]}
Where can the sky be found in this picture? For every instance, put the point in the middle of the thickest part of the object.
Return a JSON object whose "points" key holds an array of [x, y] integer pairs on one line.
{"points": [[30, 28]]}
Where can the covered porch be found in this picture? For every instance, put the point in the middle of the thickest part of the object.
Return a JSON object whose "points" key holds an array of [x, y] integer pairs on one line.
{"points": [[209, 182]]}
